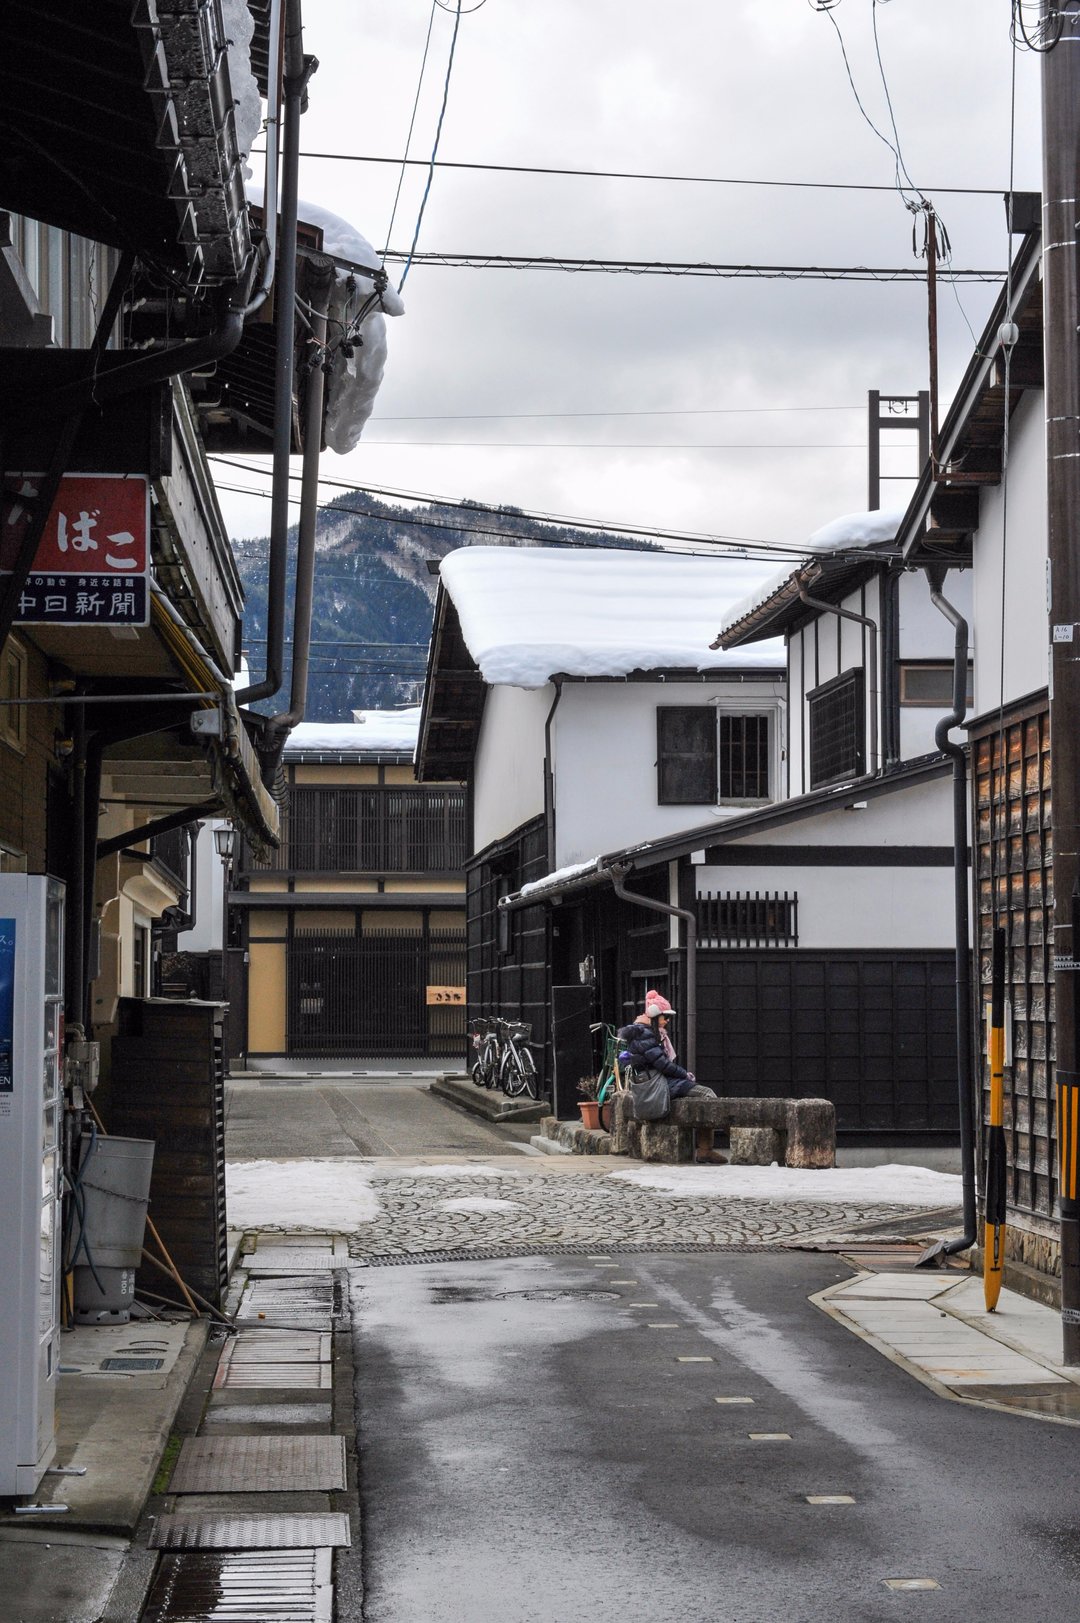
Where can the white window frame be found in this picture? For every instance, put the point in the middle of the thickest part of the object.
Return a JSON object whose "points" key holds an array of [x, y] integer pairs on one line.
{"points": [[774, 709]]}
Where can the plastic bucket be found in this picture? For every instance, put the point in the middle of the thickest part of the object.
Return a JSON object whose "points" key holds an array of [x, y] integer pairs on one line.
{"points": [[113, 1191]]}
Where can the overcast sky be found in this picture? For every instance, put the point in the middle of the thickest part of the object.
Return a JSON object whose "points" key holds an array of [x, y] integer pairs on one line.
{"points": [[749, 90]]}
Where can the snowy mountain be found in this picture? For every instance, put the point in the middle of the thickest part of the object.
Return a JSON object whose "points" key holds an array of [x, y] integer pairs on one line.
{"points": [[374, 594]]}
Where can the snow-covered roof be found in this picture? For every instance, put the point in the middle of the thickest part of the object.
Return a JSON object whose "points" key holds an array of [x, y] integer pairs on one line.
{"points": [[849, 533], [371, 732], [530, 613]]}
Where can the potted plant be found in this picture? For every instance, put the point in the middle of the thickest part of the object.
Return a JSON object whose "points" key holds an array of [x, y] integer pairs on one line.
{"points": [[588, 1104]]}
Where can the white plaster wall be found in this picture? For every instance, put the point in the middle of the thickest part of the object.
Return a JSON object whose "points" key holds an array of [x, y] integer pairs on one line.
{"points": [[841, 907], [604, 745], [1021, 505], [920, 815], [209, 932], [924, 633], [508, 779]]}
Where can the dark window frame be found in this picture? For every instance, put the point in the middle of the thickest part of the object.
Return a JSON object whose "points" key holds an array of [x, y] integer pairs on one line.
{"points": [[907, 666], [707, 787], [845, 758]]}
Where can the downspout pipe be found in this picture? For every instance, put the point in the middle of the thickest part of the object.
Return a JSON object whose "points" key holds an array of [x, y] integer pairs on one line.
{"points": [[275, 68], [806, 580], [617, 876], [549, 776], [284, 362], [278, 727], [935, 575]]}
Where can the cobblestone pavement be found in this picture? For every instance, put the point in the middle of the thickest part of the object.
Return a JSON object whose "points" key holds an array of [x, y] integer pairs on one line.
{"points": [[508, 1213]]}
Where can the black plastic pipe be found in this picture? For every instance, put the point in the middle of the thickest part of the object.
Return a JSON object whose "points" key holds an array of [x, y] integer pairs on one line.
{"points": [[961, 909], [284, 365]]}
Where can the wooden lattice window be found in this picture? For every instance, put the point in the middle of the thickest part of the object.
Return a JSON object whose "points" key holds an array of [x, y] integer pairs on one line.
{"points": [[837, 727]]}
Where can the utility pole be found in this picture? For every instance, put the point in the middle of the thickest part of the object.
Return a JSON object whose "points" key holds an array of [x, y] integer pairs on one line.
{"points": [[1060, 40]]}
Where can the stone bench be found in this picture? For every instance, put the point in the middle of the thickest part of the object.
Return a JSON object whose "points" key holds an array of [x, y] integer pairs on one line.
{"points": [[796, 1132]]}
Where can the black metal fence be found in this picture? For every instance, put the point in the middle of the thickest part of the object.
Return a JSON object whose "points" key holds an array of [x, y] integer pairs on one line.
{"points": [[748, 919], [375, 994]]}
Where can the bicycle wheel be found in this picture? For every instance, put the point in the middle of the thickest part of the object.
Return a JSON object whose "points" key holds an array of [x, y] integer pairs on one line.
{"points": [[508, 1075], [492, 1066], [606, 1101], [528, 1073], [476, 1071]]}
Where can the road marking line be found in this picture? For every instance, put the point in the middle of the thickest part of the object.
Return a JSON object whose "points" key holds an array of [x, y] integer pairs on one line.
{"points": [[829, 1499], [911, 1583], [694, 1358], [665, 1324], [643, 1304], [733, 1400], [769, 1436]]}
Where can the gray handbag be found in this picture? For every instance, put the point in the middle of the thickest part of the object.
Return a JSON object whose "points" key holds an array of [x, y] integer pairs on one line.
{"points": [[650, 1096]]}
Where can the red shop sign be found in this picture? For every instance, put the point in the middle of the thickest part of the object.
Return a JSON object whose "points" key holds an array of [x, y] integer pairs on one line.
{"points": [[92, 561]]}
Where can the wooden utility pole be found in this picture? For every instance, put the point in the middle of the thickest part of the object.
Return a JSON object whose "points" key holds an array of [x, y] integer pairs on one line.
{"points": [[1061, 211]]}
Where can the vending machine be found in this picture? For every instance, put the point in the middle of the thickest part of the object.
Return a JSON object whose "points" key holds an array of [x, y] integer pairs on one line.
{"points": [[31, 1043]]}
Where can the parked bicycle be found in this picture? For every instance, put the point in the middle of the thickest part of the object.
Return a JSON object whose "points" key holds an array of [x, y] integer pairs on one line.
{"points": [[485, 1041], [517, 1068], [503, 1057], [612, 1079]]}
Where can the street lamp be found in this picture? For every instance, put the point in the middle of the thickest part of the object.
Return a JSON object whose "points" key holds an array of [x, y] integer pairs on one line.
{"points": [[225, 842]]}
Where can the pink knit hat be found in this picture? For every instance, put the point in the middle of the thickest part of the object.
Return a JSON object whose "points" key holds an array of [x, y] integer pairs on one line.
{"points": [[656, 1003]]}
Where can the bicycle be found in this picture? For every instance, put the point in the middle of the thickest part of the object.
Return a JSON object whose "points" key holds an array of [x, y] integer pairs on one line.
{"points": [[485, 1040], [517, 1068], [612, 1078]]}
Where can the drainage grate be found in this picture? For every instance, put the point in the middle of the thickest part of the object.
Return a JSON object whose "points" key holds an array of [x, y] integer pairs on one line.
{"points": [[259, 1465], [132, 1364], [287, 1260], [251, 1586], [326, 1531], [497, 1253], [255, 1346], [311, 1374]]}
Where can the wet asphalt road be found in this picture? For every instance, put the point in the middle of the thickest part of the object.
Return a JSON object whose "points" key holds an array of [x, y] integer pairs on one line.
{"points": [[532, 1452]]}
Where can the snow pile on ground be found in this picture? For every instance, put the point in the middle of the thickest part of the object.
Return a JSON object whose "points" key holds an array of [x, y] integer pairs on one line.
{"points": [[872, 1186], [331, 1195], [845, 534], [479, 1203], [375, 730], [529, 613]]}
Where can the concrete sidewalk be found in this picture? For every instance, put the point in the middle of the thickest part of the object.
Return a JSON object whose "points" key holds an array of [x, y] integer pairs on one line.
{"points": [[935, 1325]]}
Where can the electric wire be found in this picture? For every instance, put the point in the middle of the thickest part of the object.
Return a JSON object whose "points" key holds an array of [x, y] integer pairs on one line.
{"points": [[412, 121], [570, 264], [642, 175], [434, 150]]}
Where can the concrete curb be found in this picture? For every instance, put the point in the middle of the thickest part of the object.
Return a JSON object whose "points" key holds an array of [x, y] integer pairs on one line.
{"points": [[485, 1102]]}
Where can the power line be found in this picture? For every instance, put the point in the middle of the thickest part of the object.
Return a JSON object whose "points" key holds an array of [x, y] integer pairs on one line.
{"points": [[747, 551], [557, 520], [670, 411], [663, 267], [614, 445], [647, 175]]}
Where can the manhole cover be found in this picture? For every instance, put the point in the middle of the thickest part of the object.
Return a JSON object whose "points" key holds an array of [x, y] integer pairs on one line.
{"points": [[259, 1465]]}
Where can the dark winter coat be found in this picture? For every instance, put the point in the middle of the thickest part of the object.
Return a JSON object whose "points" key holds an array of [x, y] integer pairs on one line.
{"points": [[645, 1050]]}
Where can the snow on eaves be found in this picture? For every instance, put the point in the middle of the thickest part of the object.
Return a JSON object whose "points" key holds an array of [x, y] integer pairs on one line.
{"points": [[846, 534], [530, 613], [373, 732], [354, 379], [239, 26]]}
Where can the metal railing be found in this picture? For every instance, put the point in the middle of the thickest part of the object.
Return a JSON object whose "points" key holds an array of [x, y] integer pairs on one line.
{"points": [[757, 918]]}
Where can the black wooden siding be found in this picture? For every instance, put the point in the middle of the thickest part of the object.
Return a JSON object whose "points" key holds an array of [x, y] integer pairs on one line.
{"points": [[514, 982], [874, 1032]]}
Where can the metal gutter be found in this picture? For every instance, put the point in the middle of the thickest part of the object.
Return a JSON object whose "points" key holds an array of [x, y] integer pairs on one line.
{"points": [[690, 920], [297, 76], [964, 1058]]}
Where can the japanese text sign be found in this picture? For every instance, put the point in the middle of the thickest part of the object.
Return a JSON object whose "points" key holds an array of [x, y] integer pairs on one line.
{"points": [[92, 562]]}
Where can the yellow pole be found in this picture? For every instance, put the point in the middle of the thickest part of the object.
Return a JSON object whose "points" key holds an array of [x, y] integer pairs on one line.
{"points": [[994, 1237]]}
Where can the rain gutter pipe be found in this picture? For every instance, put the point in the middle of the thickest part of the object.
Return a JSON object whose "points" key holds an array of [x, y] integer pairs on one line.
{"points": [[273, 149], [296, 79], [617, 876], [278, 727], [871, 625], [935, 575], [549, 775]]}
